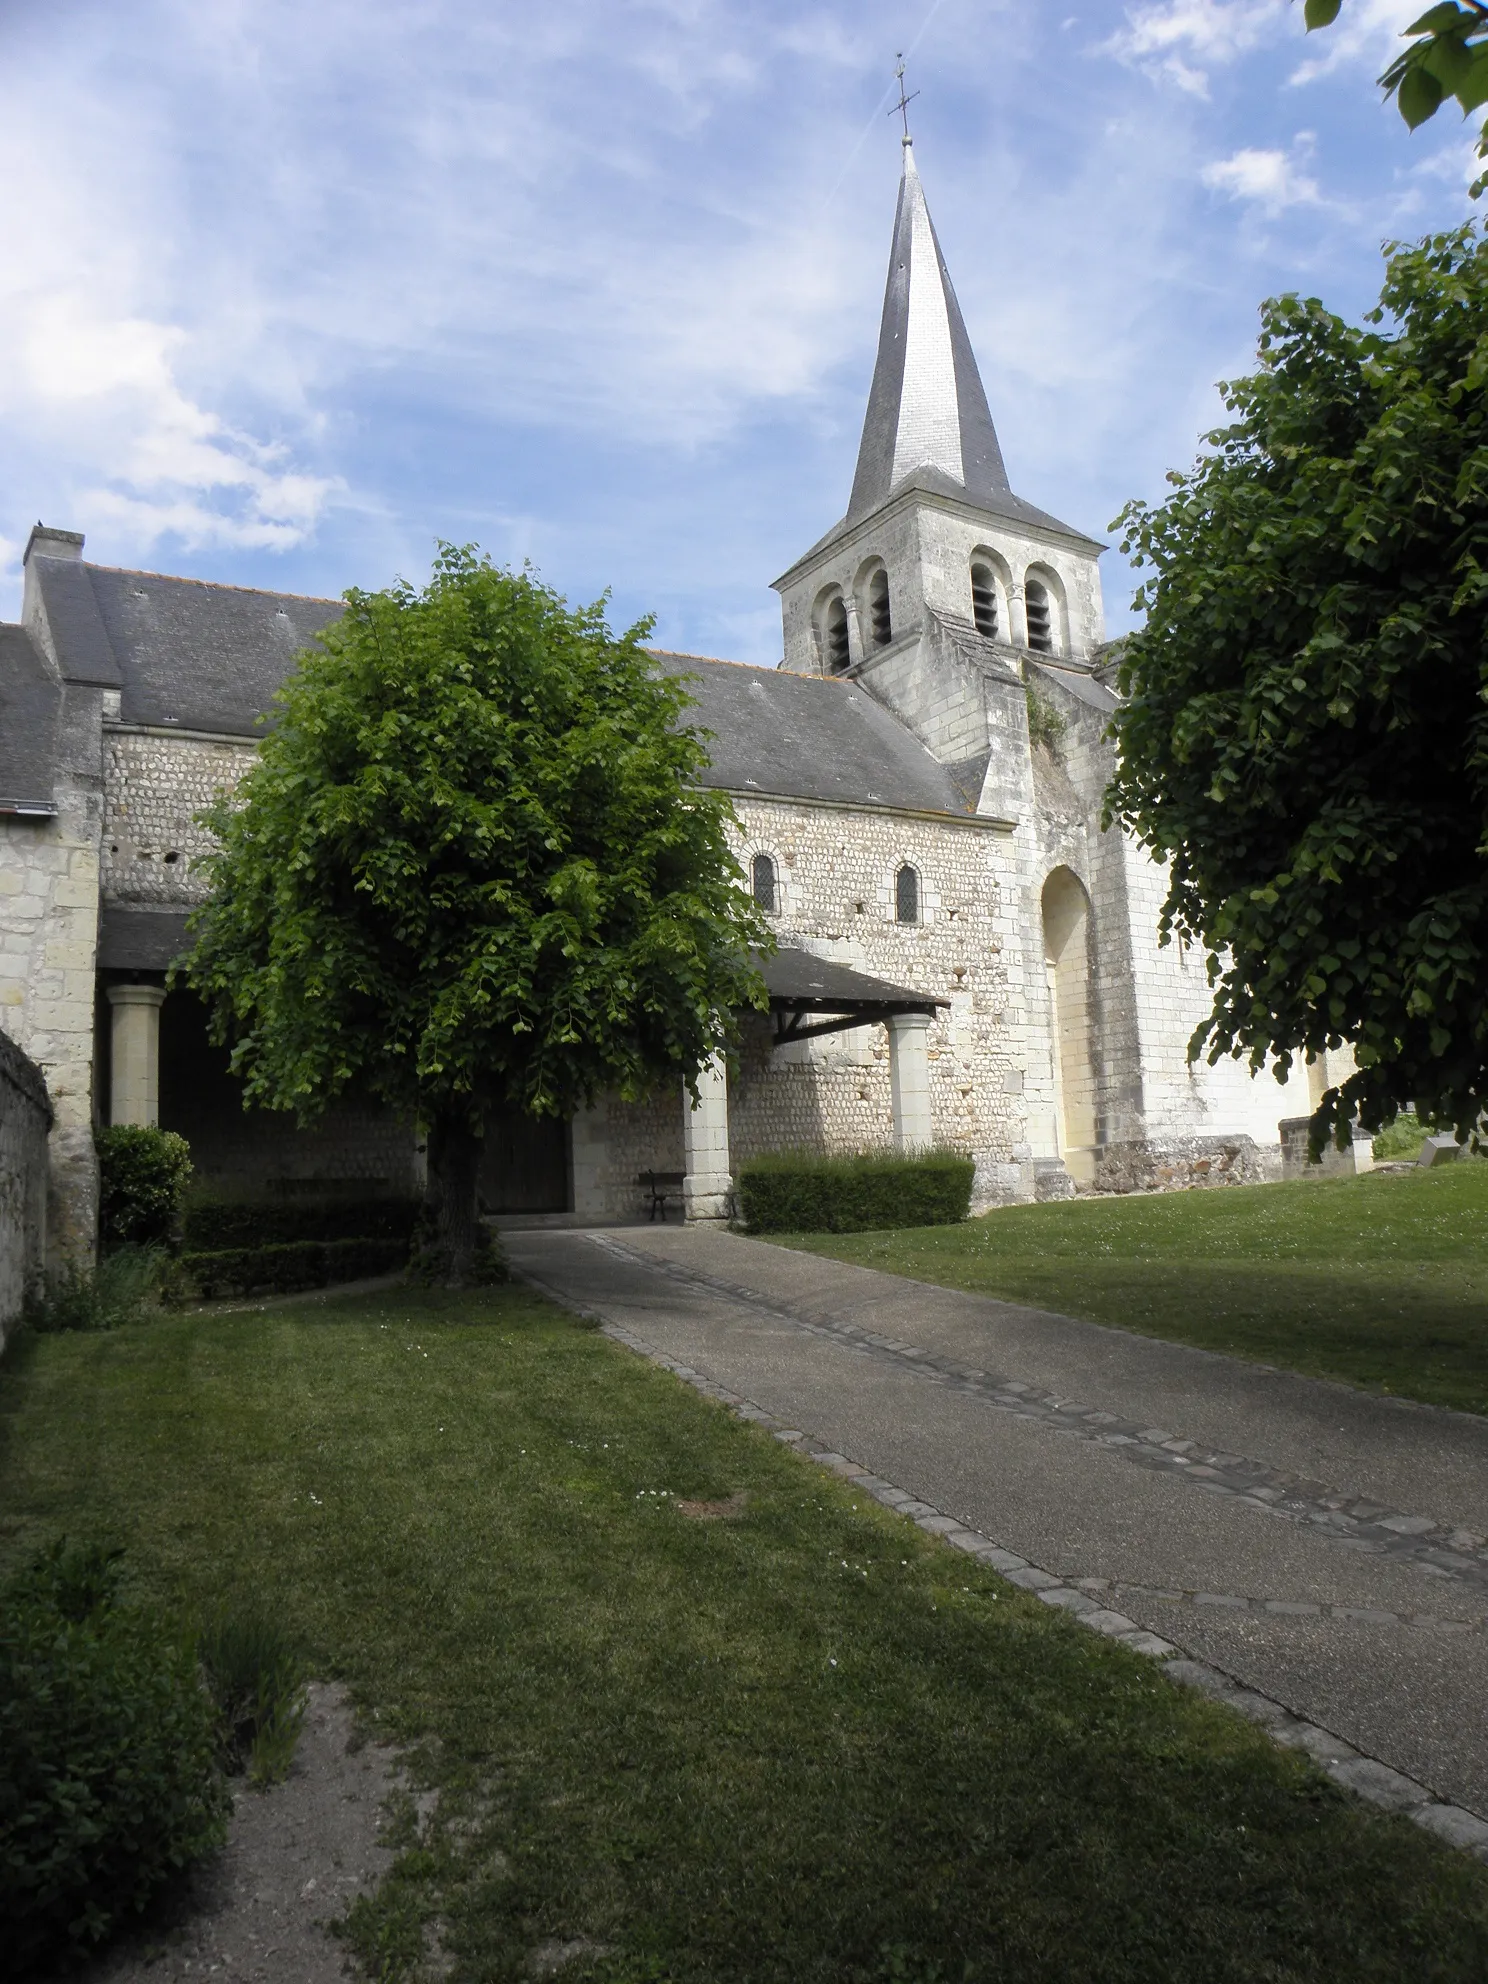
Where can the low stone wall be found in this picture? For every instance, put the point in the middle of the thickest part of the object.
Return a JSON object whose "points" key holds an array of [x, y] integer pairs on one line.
{"points": [[25, 1123], [1182, 1163], [1334, 1163]]}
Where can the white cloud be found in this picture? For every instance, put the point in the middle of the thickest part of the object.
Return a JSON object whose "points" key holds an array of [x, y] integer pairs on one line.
{"points": [[1182, 40], [1271, 179]]}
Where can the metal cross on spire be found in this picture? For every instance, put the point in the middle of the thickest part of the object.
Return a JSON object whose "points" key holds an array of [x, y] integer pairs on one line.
{"points": [[902, 106]]}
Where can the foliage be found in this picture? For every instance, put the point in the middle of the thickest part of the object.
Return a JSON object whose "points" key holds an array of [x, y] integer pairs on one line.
{"points": [[1401, 1138], [142, 1178], [1448, 57], [257, 1678], [1304, 734], [632, 1720], [1046, 724], [473, 868], [108, 1784], [216, 1223], [801, 1192], [1379, 1281], [123, 1288], [281, 1269]]}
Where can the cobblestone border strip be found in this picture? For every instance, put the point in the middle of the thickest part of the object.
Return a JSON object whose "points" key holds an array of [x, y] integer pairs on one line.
{"points": [[1286, 1608], [1364, 1775], [1350, 1520]]}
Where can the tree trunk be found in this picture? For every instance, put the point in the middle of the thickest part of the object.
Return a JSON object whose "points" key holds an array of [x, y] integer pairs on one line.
{"points": [[453, 1247]]}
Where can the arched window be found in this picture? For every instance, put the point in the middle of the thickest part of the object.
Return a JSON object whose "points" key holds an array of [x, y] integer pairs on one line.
{"points": [[1040, 617], [762, 875], [880, 620], [839, 656], [984, 600], [907, 895]]}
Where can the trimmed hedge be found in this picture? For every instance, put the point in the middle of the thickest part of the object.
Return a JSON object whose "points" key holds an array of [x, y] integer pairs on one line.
{"points": [[212, 1226], [142, 1178], [283, 1269], [108, 1738], [799, 1192]]}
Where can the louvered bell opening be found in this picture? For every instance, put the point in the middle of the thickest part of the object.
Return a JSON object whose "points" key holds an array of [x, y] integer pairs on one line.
{"points": [[838, 657], [878, 610], [984, 601], [1040, 625]]}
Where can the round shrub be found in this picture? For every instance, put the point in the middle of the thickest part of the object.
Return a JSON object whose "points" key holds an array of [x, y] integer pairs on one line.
{"points": [[108, 1778], [142, 1177]]}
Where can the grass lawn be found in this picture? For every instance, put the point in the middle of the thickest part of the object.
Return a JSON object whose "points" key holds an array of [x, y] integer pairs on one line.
{"points": [[1381, 1281], [807, 1744]]}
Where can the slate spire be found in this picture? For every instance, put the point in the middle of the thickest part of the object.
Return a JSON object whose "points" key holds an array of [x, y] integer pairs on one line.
{"points": [[927, 409]]}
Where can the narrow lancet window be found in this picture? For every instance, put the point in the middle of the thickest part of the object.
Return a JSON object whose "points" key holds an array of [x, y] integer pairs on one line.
{"points": [[1040, 618], [839, 656], [907, 895], [984, 600], [763, 876], [878, 609]]}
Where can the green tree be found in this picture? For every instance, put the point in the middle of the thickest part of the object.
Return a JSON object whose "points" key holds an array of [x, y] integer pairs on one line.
{"points": [[1304, 736], [1448, 57], [473, 869]]}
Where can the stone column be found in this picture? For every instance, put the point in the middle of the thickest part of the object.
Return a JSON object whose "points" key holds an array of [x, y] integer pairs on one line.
{"points": [[707, 1189], [909, 1081], [591, 1156], [134, 1092]]}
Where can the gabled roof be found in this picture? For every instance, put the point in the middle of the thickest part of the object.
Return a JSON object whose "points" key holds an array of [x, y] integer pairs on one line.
{"points": [[201, 657], [808, 737], [30, 702]]}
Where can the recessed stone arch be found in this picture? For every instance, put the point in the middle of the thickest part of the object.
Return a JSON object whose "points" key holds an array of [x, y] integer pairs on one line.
{"points": [[875, 610], [830, 627], [1045, 610], [1067, 950], [990, 579]]}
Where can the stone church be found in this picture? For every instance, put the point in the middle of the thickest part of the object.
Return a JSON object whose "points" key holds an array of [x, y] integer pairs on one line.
{"points": [[965, 958]]}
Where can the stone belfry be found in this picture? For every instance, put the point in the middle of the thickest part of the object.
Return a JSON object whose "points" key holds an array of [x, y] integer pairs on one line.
{"points": [[939, 581]]}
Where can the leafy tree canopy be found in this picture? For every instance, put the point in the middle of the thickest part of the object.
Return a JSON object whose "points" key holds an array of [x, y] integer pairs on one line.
{"points": [[1448, 57], [1304, 735], [473, 869]]}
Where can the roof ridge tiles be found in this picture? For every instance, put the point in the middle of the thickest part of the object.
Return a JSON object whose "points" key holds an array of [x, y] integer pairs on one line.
{"points": [[210, 585]]}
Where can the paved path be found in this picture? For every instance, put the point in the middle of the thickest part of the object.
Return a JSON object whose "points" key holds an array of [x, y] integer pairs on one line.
{"points": [[1319, 1544]]}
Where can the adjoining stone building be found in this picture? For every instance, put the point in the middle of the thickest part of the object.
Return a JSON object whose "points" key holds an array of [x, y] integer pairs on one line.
{"points": [[967, 957]]}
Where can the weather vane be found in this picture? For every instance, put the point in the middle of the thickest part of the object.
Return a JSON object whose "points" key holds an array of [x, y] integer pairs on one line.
{"points": [[902, 106]]}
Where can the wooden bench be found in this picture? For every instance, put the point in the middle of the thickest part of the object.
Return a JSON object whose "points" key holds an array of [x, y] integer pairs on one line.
{"points": [[661, 1186]]}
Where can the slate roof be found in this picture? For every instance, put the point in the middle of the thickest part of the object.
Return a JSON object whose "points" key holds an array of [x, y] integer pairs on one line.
{"points": [[139, 939], [199, 656], [30, 701], [192, 656], [799, 978], [808, 737]]}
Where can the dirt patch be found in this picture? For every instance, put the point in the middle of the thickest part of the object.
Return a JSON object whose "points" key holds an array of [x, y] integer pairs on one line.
{"points": [[727, 1511], [296, 1857]]}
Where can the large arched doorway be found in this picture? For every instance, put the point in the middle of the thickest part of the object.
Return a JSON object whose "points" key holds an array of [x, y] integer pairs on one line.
{"points": [[1067, 958]]}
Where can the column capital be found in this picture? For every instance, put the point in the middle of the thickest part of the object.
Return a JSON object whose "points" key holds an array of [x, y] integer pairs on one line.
{"points": [[137, 995]]}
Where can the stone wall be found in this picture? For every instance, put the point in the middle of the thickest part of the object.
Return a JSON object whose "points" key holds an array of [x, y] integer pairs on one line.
{"points": [[25, 1122], [154, 786], [48, 942]]}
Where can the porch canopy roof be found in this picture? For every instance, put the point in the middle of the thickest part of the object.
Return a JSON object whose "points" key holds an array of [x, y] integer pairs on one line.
{"points": [[801, 984]]}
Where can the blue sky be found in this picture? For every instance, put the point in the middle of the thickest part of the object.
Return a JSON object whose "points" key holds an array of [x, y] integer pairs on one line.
{"points": [[288, 292]]}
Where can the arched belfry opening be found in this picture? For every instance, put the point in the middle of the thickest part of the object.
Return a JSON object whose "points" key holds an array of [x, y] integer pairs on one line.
{"points": [[1066, 910]]}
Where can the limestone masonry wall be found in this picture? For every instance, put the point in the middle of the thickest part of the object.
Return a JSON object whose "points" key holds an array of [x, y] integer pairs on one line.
{"points": [[48, 943], [25, 1120]]}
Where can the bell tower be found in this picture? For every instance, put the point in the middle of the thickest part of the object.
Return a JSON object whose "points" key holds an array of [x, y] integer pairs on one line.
{"points": [[938, 577]]}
